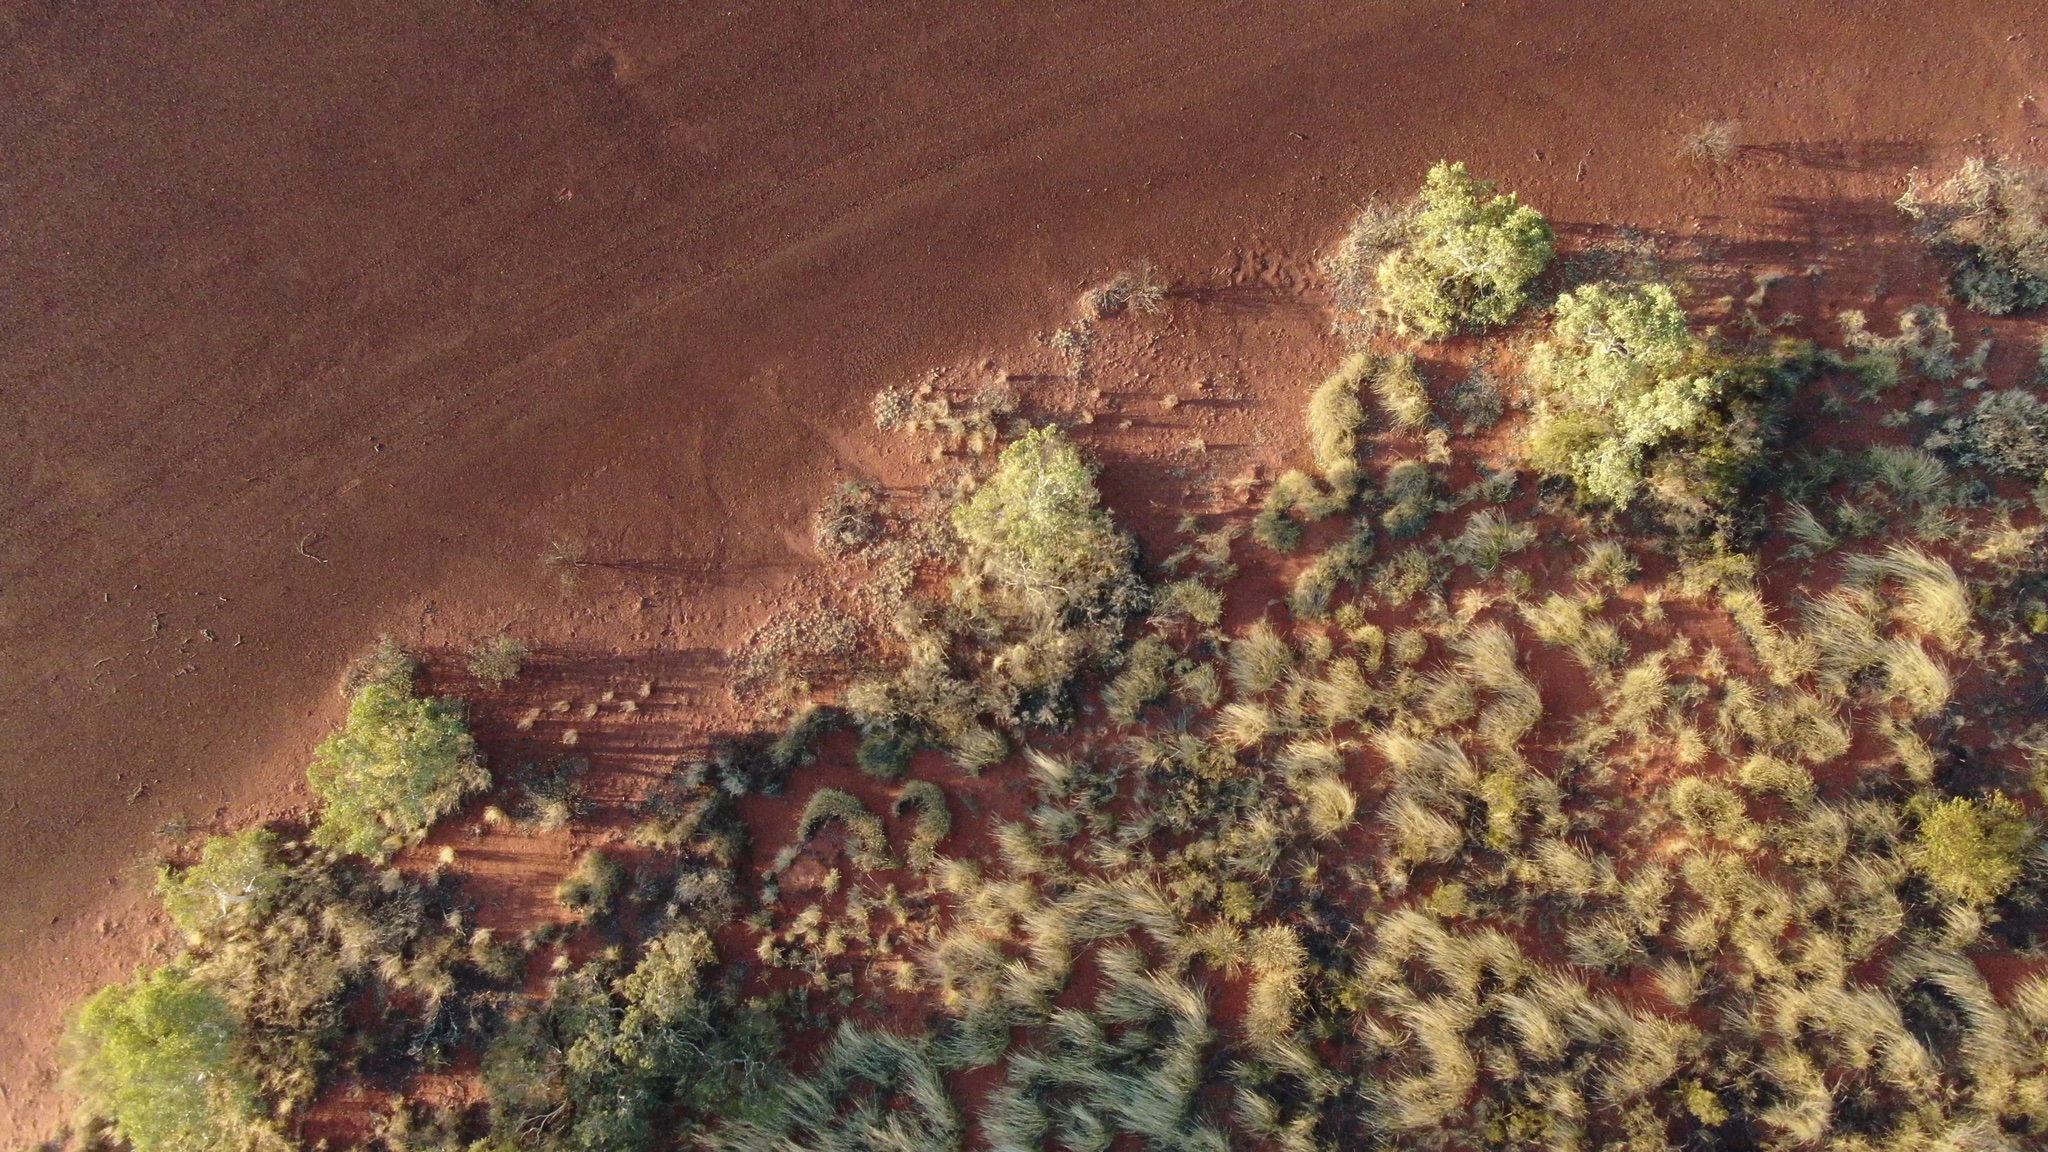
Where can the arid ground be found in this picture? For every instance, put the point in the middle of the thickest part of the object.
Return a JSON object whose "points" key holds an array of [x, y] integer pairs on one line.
{"points": [[320, 322]]}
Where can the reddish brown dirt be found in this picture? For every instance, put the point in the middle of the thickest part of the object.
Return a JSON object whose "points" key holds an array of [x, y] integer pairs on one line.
{"points": [[323, 322]]}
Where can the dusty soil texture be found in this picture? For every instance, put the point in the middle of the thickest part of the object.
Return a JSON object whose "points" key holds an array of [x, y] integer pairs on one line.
{"points": [[323, 322]]}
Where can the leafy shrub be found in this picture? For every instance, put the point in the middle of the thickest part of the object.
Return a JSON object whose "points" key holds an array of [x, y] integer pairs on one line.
{"points": [[1628, 397], [885, 750], [1970, 850], [399, 763], [234, 880], [590, 888], [2008, 432], [1990, 220], [1455, 258], [1036, 529], [498, 660], [156, 1058]]}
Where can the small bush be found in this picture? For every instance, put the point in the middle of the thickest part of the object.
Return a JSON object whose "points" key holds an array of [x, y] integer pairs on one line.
{"points": [[1990, 220], [1037, 530], [498, 660], [234, 881], [1970, 850], [399, 763], [2008, 432], [885, 750], [156, 1059], [1456, 258], [1335, 416], [1399, 389], [1629, 398], [592, 886], [849, 520]]}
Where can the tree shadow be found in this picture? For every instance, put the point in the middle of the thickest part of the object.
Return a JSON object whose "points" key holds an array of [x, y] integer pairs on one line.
{"points": [[1859, 156]]}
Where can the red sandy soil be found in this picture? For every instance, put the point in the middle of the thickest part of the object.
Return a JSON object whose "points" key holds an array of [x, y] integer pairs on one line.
{"points": [[322, 321]]}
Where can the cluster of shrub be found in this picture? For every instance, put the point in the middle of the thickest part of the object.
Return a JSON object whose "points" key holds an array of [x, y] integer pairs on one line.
{"points": [[1810, 939]]}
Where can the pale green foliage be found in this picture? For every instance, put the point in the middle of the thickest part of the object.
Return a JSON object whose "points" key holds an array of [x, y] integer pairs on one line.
{"points": [[1036, 529], [155, 1058], [1489, 538], [1466, 259], [1400, 391], [399, 763], [1970, 849], [1335, 416], [1620, 380], [233, 882], [1991, 220]]}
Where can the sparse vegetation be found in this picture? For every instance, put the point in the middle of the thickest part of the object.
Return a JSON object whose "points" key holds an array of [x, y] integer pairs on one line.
{"points": [[1526, 824], [498, 660], [1990, 219]]}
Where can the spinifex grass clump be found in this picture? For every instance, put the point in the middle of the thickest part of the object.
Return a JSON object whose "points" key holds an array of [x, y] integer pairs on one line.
{"points": [[1456, 258]]}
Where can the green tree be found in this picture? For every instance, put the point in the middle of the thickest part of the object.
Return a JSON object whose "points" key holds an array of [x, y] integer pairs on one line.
{"points": [[1468, 258], [155, 1058], [1036, 529], [235, 880], [1623, 385], [399, 763]]}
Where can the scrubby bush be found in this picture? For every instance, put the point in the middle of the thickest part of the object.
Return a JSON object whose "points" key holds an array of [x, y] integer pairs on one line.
{"points": [[591, 887], [1456, 258], [849, 520], [1629, 398], [156, 1059], [2008, 432], [234, 880], [399, 763], [498, 660], [1990, 220], [1037, 532], [1970, 850]]}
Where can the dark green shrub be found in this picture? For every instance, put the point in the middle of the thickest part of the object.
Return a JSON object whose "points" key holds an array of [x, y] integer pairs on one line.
{"points": [[1990, 220], [884, 752], [2008, 432], [399, 763], [156, 1058]]}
